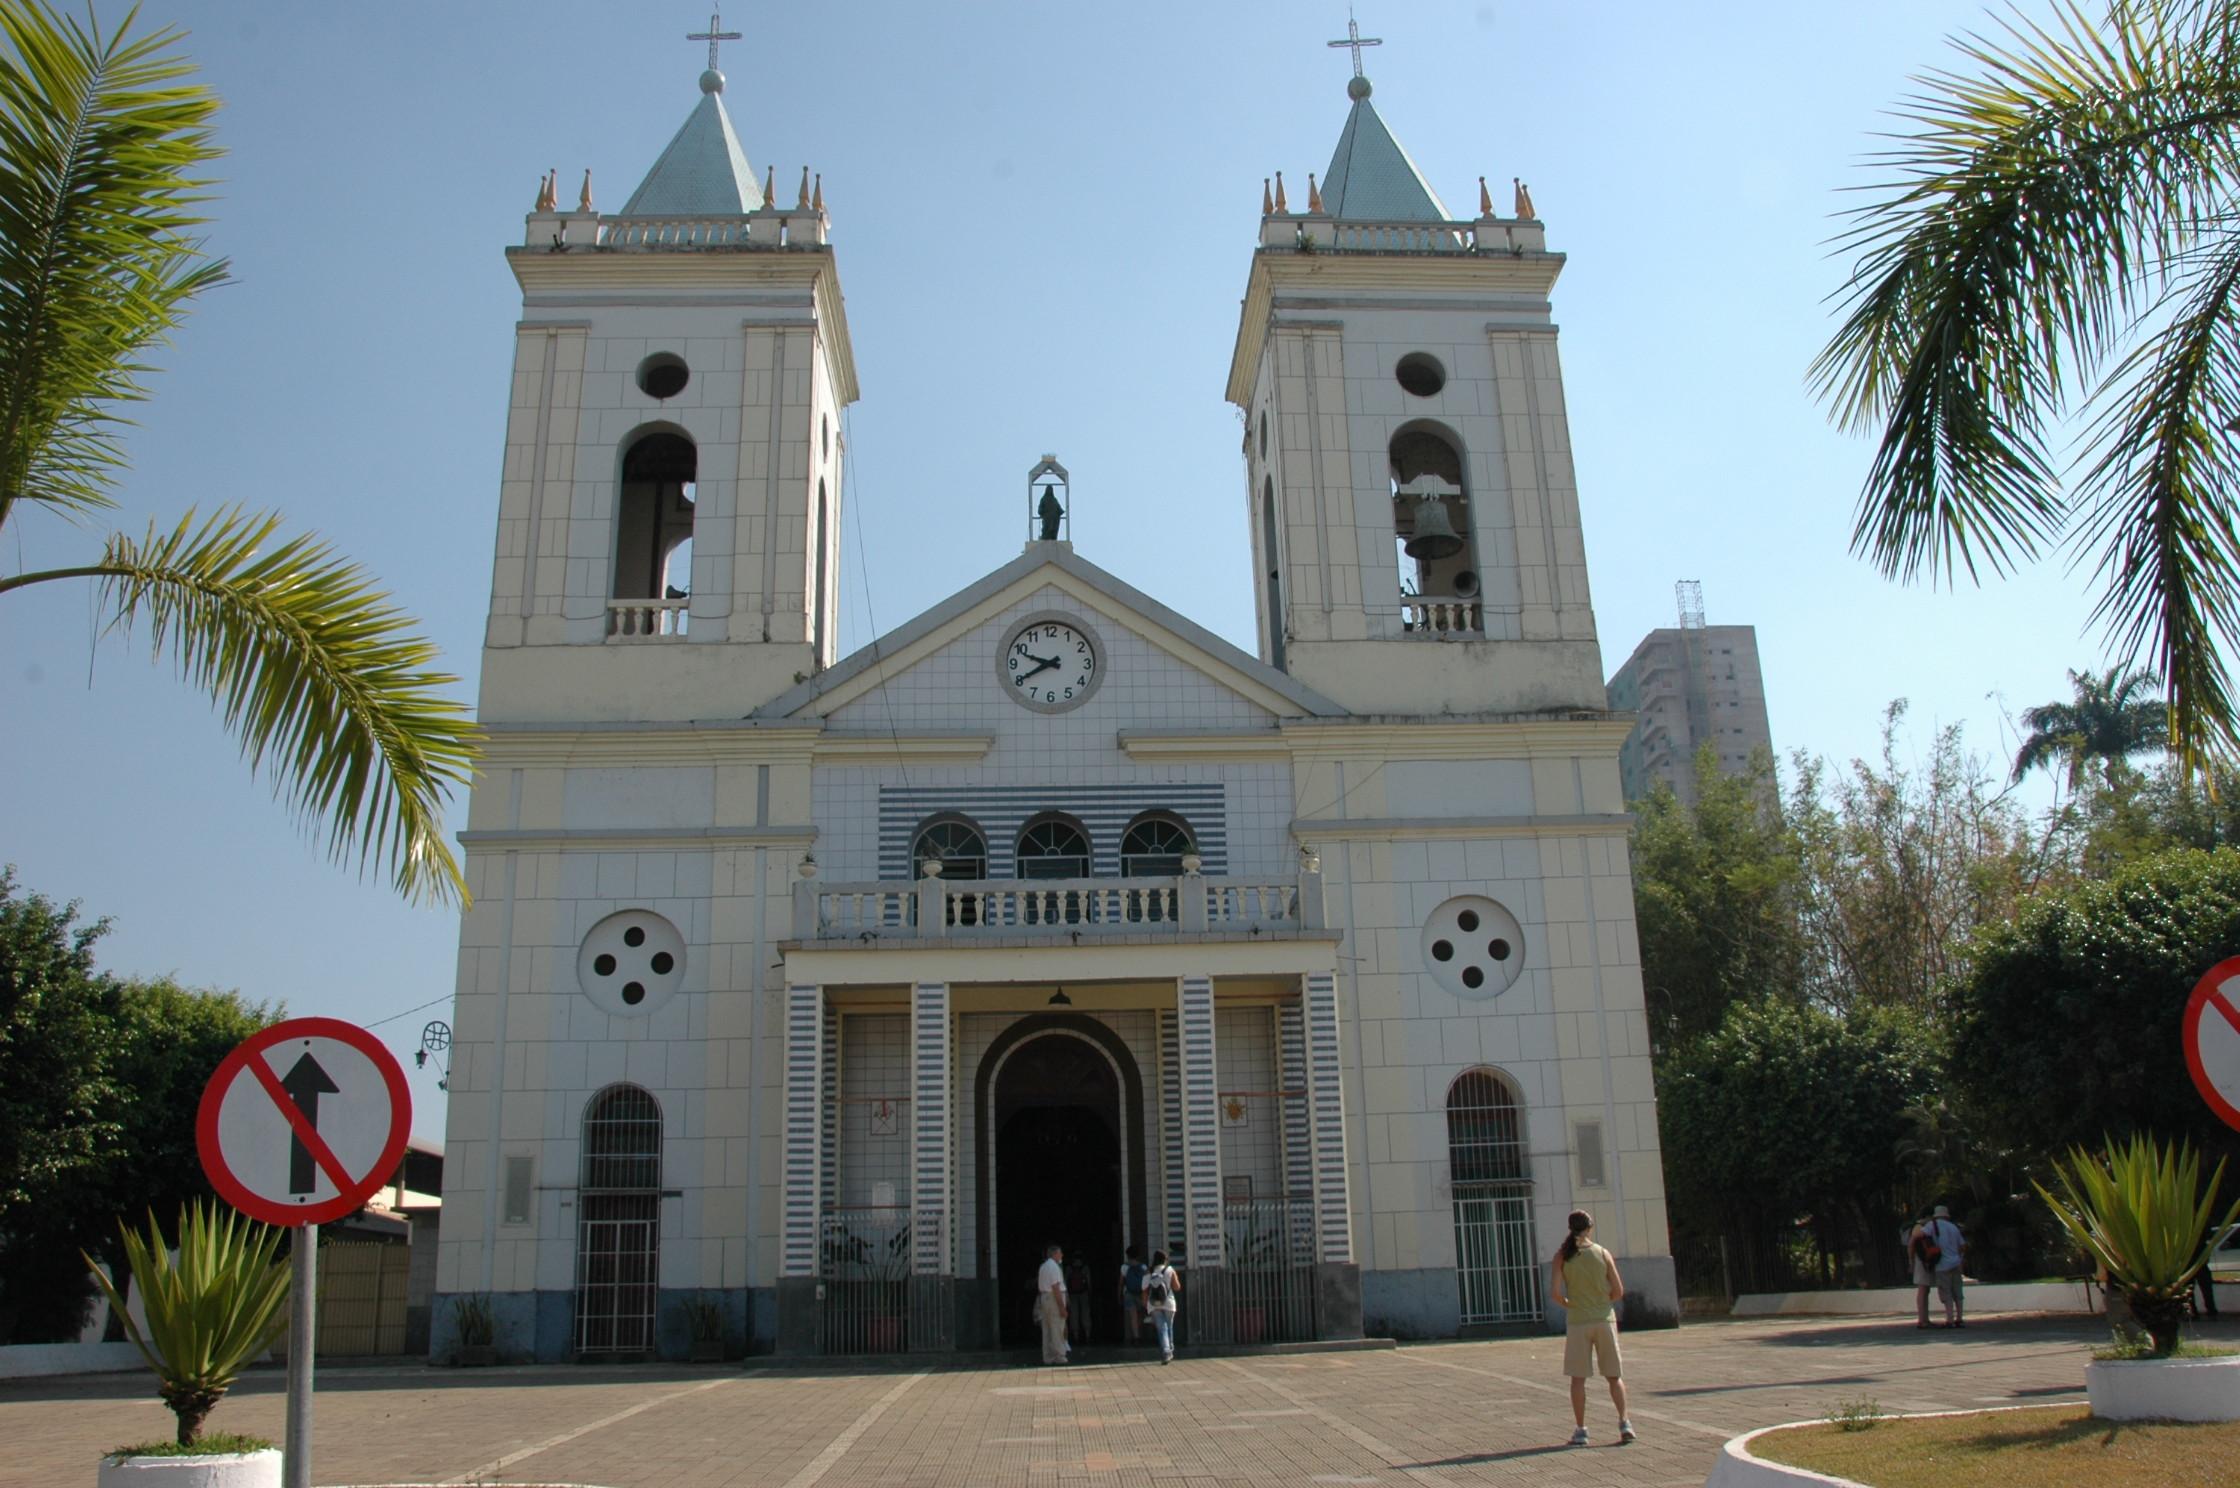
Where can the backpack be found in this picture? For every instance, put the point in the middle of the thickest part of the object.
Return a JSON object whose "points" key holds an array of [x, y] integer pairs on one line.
{"points": [[1155, 1288], [1926, 1250], [1131, 1280]]}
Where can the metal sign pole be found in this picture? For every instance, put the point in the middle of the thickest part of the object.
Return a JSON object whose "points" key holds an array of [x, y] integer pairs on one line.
{"points": [[304, 1286]]}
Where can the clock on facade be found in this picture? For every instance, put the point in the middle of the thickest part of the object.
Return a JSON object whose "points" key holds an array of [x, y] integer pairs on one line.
{"points": [[1050, 662]]}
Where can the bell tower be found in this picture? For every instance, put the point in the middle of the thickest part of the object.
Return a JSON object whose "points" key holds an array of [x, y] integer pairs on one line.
{"points": [[668, 516], [1414, 518]]}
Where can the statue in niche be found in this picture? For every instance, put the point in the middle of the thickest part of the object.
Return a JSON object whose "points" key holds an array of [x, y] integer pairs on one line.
{"points": [[1049, 513]]}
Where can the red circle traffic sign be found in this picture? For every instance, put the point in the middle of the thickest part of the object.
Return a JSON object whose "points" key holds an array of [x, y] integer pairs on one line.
{"points": [[2212, 1039], [303, 1121]]}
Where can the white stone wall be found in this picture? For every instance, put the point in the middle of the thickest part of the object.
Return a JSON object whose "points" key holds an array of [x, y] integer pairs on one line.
{"points": [[694, 1054], [1569, 1034]]}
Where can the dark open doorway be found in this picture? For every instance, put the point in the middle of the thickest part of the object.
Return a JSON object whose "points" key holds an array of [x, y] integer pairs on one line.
{"points": [[1058, 1177]]}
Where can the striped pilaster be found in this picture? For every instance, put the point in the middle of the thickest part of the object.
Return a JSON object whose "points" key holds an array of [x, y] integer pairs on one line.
{"points": [[932, 1155], [1201, 1121], [1175, 1210], [828, 1111], [1333, 1209], [1298, 1126], [804, 1130]]}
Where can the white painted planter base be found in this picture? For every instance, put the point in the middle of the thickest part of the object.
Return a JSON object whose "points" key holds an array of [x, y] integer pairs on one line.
{"points": [[2164, 1389], [227, 1470]]}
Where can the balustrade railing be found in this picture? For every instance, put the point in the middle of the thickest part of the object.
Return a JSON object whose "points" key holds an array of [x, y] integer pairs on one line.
{"points": [[1438, 615], [800, 228], [943, 907], [647, 619], [1403, 237]]}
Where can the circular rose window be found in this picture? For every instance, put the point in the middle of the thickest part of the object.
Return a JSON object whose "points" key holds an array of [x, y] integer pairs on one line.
{"points": [[631, 962], [1473, 947]]}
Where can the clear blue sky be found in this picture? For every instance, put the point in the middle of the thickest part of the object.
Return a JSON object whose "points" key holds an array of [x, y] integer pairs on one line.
{"points": [[1044, 215]]}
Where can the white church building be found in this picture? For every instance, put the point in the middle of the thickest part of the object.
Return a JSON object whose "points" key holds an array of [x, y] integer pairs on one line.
{"points": [[806, 997]]}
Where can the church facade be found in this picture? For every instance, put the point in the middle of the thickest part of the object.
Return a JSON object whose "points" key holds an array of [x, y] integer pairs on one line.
{"points": [[805, 998]]}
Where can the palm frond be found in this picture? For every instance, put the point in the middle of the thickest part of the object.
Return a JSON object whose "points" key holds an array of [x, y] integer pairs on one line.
{"points": [[2156, 504], [2022, 220], [100, 142], [315, 672]]}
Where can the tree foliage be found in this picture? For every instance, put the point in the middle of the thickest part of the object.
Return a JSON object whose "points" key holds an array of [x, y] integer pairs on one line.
{"points": [[1716, 890], [1903, 863], [1784, 1109], [2055, 228], [99, 1081], [2113, 716], [2067, 1023], [104, 140]]}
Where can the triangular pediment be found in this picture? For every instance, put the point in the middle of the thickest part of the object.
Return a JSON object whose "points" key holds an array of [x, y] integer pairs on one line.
{"points": [[1050, 574]]}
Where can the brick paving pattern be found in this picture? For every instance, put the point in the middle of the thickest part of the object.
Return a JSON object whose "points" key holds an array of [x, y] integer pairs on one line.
{"points": [[1450, 1413]]}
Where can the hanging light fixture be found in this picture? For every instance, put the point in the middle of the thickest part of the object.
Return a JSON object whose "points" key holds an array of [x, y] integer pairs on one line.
{"points": [[1059, 998]]}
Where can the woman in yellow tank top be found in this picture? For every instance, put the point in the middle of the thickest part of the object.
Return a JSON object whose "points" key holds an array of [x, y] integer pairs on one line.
{"points": [[1587, 1287]]}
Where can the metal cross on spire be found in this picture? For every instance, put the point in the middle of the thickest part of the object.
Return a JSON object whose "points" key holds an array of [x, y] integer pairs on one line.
{"points": [[1355, 41], [712, 36]]}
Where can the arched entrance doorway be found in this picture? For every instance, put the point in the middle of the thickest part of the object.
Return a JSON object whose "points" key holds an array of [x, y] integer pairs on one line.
{"points": [[1061, 1155]]}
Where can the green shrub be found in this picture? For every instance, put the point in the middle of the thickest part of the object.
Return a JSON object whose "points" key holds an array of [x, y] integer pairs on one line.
{"points": [[212, 1308], [2140, 1211]]}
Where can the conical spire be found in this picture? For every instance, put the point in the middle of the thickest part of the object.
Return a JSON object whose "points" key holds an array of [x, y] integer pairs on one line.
{"points": [[1371, 179], [703, 172]]}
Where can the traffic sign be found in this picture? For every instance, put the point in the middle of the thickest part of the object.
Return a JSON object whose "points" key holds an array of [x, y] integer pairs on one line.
{"points": [[2212, 1038], [303, 1121]]}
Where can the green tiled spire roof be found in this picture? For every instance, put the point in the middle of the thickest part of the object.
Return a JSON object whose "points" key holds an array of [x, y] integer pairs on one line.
{"points": [[1371, 179], [704, 172]]}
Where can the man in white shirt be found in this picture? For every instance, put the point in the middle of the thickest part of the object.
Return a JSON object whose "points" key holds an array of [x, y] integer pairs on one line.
{"points": [[1050, 1304], [1951, 1246]]}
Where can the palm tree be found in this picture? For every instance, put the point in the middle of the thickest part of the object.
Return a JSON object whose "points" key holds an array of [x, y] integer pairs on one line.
{"points": [[2058, 230], [2113, 717], [323, 681]]}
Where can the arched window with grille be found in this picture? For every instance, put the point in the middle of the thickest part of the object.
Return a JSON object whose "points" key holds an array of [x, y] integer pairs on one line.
{"points": [[1053, 847], [1495, 1264], [618, 1242], [953, 842], [962, 851], [1154, 846]]}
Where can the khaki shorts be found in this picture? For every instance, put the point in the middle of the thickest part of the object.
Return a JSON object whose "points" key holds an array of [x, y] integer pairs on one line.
{"points": [[1586, 1345]]}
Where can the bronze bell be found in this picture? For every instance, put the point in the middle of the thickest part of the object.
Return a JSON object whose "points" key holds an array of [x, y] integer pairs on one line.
{"points": [[1434, 535]]}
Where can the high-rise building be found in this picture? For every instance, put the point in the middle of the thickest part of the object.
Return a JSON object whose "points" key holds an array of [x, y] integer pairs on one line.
{"points": [[1690, 686]]}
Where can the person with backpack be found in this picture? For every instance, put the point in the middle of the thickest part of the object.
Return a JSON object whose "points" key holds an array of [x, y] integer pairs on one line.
{"points": [[1945, 1248], [1162, 1294], [1921, 1255], [1077, 1286], [1132, 1273]]}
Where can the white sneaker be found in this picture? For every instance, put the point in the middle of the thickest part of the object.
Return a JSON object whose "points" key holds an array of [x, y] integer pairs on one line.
{"points": [[1625, 1431], [1578, 1438]]}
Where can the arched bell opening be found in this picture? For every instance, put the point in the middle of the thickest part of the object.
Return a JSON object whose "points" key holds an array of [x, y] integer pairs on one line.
{"points": [[1434, 538], [653, 518], [1271, 560]]}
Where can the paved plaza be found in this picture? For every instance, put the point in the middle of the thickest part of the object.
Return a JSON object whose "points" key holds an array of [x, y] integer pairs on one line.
{"points": [[1486, 1412]]}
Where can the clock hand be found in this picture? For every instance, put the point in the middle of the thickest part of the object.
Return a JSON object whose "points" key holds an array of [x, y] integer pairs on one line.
{"points": [[1047, 662]]}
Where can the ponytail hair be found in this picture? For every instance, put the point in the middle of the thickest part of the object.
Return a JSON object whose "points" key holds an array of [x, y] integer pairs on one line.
{"points": [[1580, 1222]]}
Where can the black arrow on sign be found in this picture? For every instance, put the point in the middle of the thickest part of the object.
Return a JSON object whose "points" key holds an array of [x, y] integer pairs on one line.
{"points": [[305, 1084]]}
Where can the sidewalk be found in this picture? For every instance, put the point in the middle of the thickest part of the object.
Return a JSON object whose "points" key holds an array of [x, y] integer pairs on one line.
{"points": [[1452, 1413]]}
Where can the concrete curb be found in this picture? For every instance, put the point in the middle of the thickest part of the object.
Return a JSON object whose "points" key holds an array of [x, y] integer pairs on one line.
{"points": [[1738, 1467]]}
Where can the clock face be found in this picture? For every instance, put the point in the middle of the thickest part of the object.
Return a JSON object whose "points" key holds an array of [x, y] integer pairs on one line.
{"points": [[1050, 663]]}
